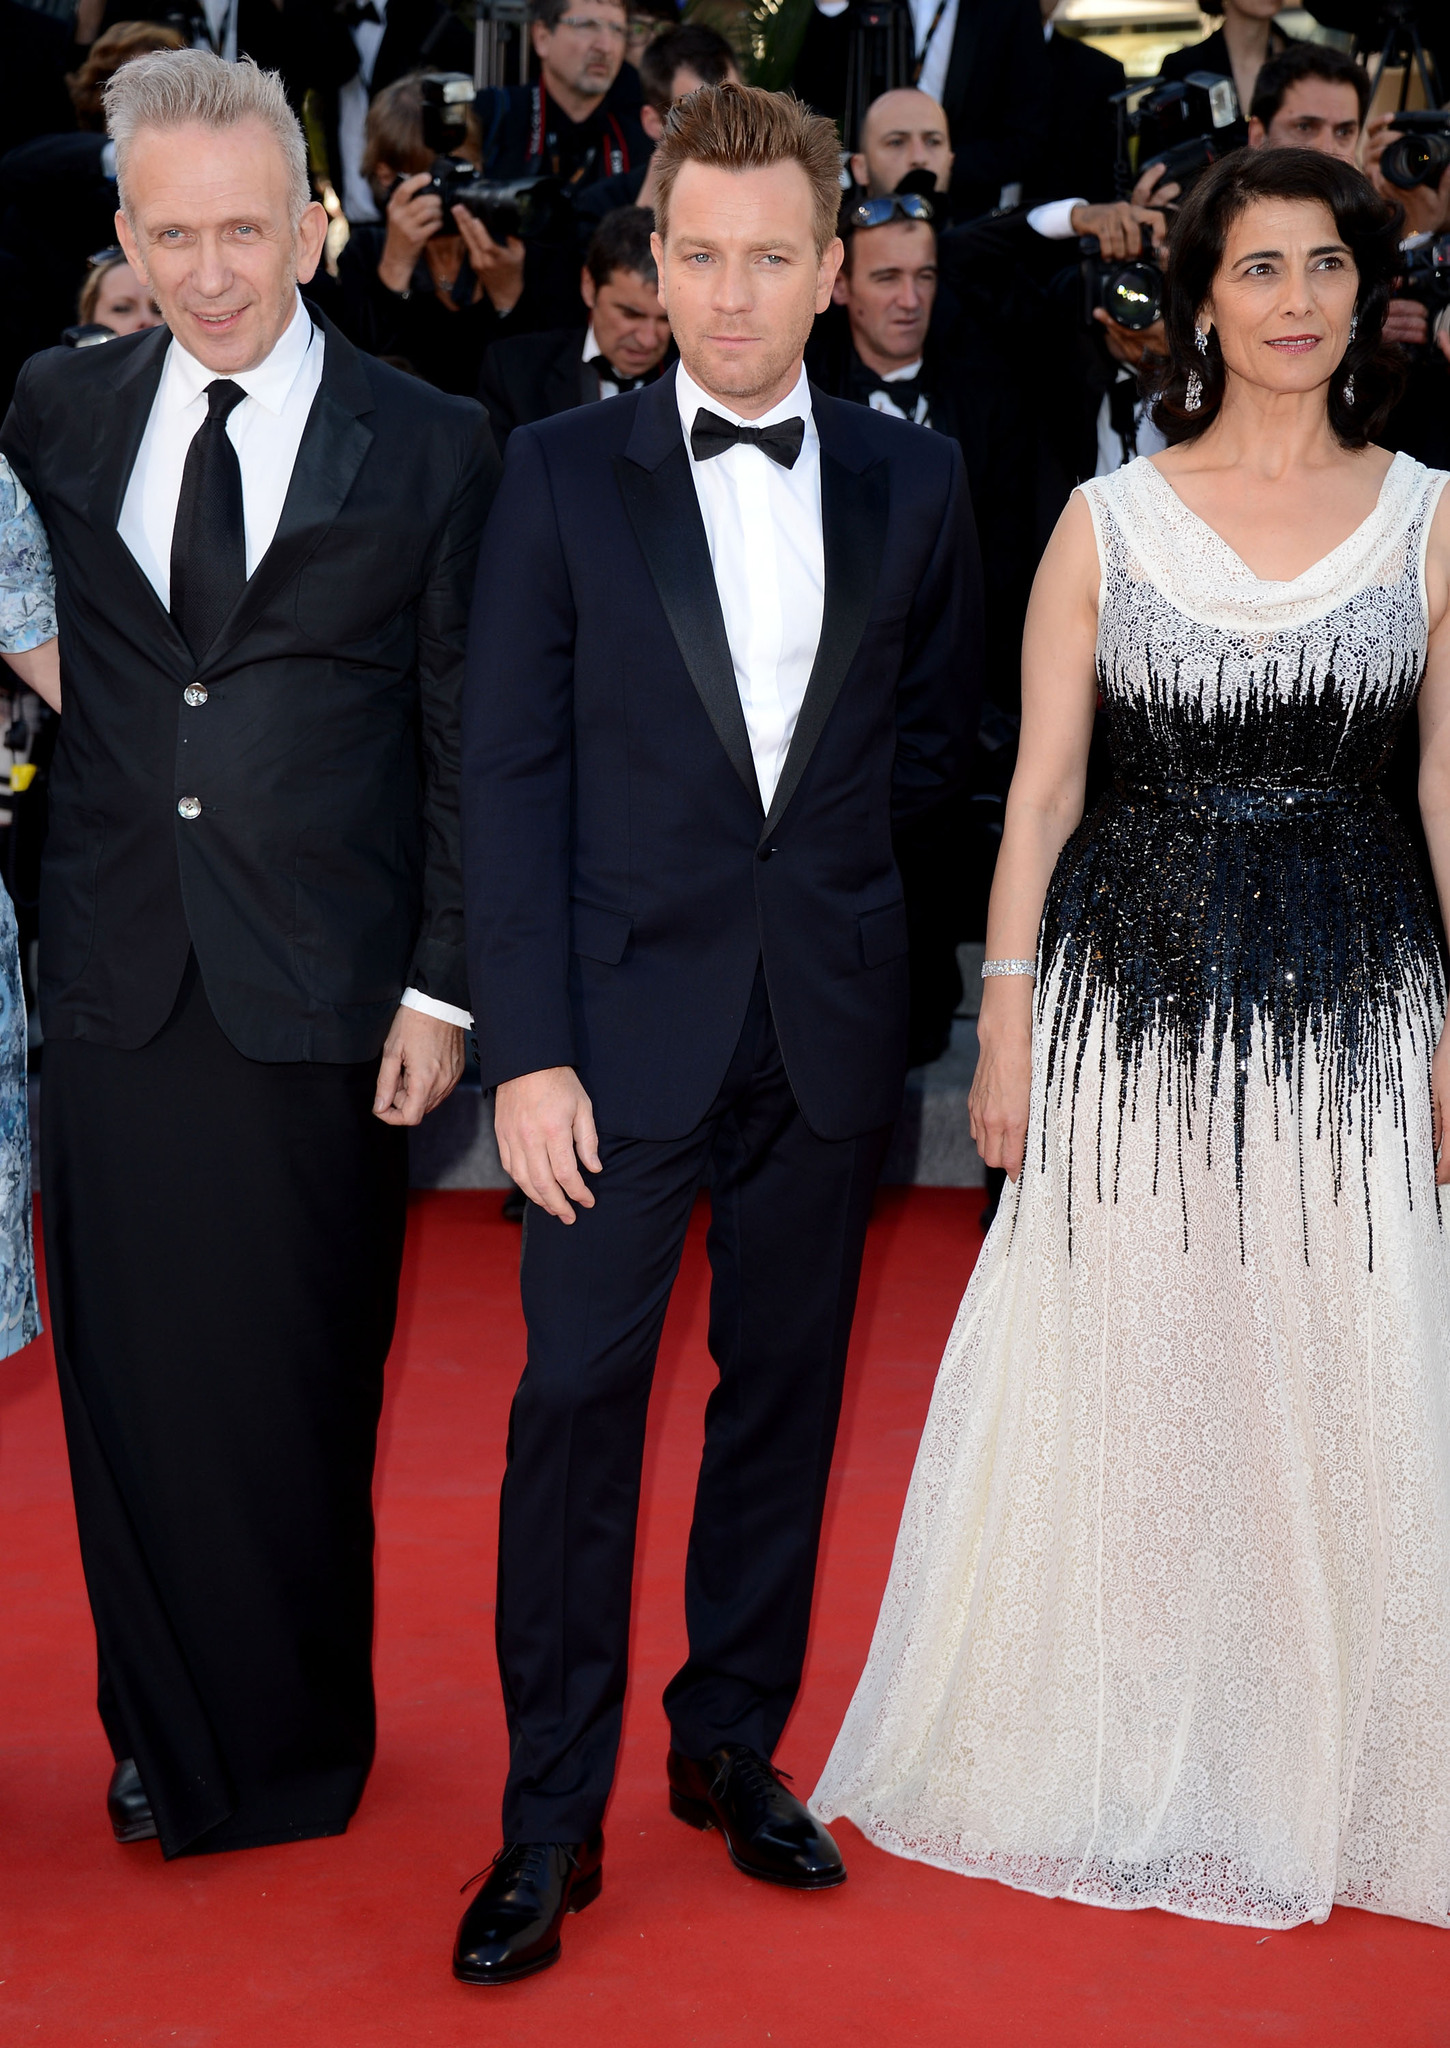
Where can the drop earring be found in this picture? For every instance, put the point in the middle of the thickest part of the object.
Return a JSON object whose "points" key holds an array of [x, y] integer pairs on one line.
{"points": [[1349, 381], [1193, 390]]}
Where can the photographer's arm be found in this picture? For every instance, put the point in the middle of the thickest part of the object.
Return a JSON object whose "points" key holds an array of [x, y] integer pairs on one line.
{"points": [[1044, 805]]}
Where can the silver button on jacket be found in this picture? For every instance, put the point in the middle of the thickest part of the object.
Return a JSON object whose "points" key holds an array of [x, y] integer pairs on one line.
{"points": [[190, 807], [195, 693]]}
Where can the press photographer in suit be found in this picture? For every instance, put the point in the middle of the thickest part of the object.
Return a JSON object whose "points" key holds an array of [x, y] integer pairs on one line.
{"points": [[727, 628], [532, 376], [252, 972]]}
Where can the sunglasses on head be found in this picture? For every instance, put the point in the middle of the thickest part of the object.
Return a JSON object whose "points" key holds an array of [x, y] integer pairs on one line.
{"points": [[874, 213], [103, 258]]}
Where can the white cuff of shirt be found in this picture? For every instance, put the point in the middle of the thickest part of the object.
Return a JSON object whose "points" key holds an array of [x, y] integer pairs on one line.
{"points": [[831, 8], [448, 1013], [1054, 220]]}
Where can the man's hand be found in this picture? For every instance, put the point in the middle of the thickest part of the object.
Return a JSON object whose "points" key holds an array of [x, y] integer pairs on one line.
{"points": [[1407, 322], [422, 1061], [414, 217], [1427, 207], [1130, 344], [498, 266], [1119, 227], [1151, 189], [542, 1122]]}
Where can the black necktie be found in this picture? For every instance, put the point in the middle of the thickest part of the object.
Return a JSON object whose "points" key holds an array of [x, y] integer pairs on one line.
{"points": [[209, 541], [710, 435]]}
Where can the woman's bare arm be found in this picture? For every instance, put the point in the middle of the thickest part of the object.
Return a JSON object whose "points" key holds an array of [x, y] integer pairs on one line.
{"points": [[39, 669], [1059, 695], [1434, 710]]}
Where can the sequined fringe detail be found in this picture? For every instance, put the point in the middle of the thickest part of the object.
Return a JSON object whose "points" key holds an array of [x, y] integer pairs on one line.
{"points": [[1294, 941]]}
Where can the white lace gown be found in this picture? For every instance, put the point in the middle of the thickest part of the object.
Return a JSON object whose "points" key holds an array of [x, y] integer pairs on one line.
{"points": [[1168, 1622]]}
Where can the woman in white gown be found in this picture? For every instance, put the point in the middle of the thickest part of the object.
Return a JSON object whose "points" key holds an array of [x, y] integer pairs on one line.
{"points": [[1168, 1622]]}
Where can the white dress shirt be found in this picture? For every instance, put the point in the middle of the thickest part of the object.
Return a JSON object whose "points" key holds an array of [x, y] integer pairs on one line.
{"points": [[882, 401], [763, 523], [266, 431], [352, 115], [935, 53]]}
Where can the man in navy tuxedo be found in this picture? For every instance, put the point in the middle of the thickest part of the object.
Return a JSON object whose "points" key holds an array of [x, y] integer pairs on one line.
{"points": [[726, 629]]}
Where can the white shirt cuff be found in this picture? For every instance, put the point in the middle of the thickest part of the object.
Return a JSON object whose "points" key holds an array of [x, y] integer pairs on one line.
{"points": [[1054, 220], [831, 8], [431, 1007]]}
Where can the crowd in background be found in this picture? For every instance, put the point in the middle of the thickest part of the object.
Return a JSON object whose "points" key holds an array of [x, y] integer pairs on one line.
{"points": [[1002, 225]]}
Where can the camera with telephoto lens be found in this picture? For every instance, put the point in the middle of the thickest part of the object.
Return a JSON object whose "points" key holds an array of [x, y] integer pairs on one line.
{"points": [[1129, 289], [532, 208], [1425, 275], [1420, 152], [1185, 124]]}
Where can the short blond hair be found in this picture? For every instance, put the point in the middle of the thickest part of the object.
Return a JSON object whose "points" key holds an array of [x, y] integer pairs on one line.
{"points": [[744, 128], [174, 88]]}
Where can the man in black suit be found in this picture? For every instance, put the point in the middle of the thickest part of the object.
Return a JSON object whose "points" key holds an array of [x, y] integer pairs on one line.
{"points": [[981, 60], [532, 376], [748, 638], [578, 121], [253, 974], [1080, 153], [676, 62]]}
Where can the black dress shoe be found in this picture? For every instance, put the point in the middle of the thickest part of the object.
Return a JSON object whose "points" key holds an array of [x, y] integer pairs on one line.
{"points": [[512, 1927], [767, 1830], [130, 1810]]}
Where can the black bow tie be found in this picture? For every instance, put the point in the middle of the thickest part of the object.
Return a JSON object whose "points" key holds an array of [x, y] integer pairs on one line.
{"points": [[710, 435], [354, 12], [622, 384], [904, 392]]}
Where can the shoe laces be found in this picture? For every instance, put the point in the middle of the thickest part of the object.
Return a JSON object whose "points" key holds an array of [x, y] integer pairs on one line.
{"points": [[526, 1861], [751, 1772]]}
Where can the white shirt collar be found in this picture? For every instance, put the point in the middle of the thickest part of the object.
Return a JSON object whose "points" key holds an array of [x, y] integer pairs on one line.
{"points": [[269, 383], [689, 397], [906, 370], [591, 345]]}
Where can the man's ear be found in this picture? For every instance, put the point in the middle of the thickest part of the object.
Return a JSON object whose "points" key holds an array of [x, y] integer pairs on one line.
{"points": [[588, 289], [1258, 133], [858, 169], [651, 122], [129, 244]]}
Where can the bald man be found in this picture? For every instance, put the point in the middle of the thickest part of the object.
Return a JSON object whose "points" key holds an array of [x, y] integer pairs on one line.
{"points": [[903, 131]]}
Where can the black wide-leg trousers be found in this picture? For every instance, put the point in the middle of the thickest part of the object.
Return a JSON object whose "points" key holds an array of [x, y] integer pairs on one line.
{"points": [[223, 1243], [789, 1217]]}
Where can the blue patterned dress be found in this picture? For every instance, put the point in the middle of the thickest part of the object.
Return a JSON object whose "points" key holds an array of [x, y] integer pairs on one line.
{"points": [[27, 619]]}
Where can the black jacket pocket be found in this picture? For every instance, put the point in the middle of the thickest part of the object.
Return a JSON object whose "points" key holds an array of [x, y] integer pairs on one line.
{"points": [[599, 934], [883, 934]]}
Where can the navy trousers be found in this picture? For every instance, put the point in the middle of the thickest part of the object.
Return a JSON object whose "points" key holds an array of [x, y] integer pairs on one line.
{"points": [[788, 1224]]}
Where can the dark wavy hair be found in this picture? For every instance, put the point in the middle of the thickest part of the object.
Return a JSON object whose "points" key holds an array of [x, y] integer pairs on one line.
{"points": [[1368, 226]]}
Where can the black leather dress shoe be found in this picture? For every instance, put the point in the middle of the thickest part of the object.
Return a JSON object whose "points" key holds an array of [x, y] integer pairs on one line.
{"points": [[130, 1810], [767, 1830], [512, 1927]]}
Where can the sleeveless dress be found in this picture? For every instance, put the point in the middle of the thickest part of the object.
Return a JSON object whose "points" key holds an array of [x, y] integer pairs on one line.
{"points": [[1168, 1622]]}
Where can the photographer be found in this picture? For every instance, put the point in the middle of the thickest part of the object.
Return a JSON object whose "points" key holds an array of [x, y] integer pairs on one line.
{"points": [[432, 291], [579, 120], [679, 61], [1311, 97], [533, 376]]}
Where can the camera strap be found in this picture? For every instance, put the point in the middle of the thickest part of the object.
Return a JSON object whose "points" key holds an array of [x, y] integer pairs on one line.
{"points": [[916, 69]]}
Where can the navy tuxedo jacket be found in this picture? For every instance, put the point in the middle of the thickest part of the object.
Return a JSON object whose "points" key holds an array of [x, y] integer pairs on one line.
{"points": [[622, 878]]}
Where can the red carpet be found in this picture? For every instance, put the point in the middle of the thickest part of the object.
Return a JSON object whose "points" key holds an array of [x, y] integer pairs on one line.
{"points": [[344, 1944]]}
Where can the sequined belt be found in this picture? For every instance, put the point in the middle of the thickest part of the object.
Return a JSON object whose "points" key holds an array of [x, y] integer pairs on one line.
{"points": [[1244, 802]]}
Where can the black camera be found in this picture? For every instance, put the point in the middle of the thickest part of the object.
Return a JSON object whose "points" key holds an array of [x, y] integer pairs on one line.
{"points": [[1185, 124], [1426, 276], [533, 208], [447, 98], [1420, 151], [1129, 289]]}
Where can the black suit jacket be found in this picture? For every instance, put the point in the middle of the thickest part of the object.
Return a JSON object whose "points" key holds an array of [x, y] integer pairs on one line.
{"points": [[1080, 155], [322, 876], [995, 94], [622, 876], [531, 377]]}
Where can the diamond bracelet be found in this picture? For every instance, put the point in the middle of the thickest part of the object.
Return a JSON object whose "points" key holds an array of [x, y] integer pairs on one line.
{"points": [[1010, 967]]}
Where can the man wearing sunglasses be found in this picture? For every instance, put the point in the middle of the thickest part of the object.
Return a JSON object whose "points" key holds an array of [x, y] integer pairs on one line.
{"points": [[580, 118]]}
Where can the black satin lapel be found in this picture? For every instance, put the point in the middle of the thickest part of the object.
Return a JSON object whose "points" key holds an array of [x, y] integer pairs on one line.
{"points": [[665, 515], [853, 533], [588, 388], [332, 450], [118, 442]]}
